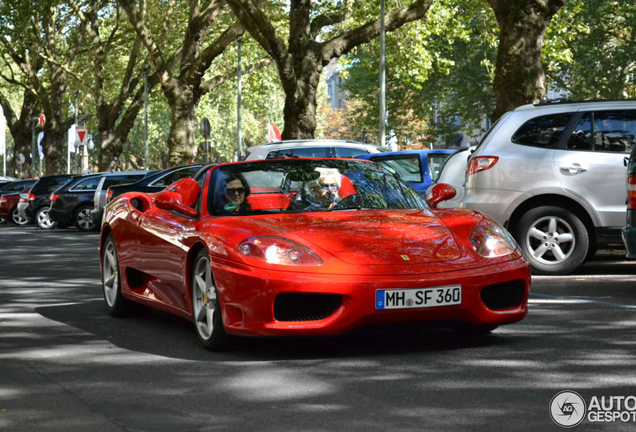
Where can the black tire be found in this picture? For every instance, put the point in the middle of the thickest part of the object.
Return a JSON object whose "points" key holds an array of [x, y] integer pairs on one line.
{"points": [[15, 219], [83, 220], [116, 304], [555, 241], [43, 220], [206, 305]]}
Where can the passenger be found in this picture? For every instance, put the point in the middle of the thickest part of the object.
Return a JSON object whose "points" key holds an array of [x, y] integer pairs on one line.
{"points": [[322, 194], [235, 194]]}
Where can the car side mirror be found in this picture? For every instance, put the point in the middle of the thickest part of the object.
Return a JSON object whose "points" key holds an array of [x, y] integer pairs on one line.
{"points": [[441, 192], [172, 201]]}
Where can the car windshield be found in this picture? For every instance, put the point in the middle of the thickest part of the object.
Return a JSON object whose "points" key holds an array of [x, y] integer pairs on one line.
{"points": [[307, 185]]}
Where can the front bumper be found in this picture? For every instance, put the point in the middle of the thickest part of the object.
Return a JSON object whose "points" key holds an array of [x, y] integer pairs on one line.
{"points": [[248, 298]]}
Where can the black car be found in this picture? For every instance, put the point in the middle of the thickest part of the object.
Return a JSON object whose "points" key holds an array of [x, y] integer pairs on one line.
{"points": [[16, 186], [39, 199], [72, 203], [153, 182]]}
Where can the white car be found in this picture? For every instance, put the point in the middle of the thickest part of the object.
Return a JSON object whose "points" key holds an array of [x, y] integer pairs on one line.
{"points": [[310, 148], [454, 174]]}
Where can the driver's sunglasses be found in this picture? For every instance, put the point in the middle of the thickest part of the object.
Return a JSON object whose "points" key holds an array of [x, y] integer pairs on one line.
{"points": [[232, 191], [333, 187]]}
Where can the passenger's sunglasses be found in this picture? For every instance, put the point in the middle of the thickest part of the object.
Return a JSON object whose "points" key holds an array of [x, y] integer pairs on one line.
{"points": [[232, 191], [333, 187]]}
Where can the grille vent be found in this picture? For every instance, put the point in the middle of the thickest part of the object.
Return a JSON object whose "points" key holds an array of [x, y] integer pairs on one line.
{"points": [[305, 306]]}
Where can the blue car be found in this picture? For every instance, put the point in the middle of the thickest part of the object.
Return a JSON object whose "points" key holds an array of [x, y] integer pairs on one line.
{"points": [[419, 168]]}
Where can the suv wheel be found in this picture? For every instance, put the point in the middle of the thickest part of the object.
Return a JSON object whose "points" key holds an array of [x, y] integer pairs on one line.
{"points": [[43, 220], [83, 220], [553, 240]]}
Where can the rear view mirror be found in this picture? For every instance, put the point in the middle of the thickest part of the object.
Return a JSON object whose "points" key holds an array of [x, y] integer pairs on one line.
{"points": [[441, 192]]}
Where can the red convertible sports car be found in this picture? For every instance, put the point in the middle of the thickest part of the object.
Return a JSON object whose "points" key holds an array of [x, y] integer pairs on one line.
{"points": [[307, 247]]}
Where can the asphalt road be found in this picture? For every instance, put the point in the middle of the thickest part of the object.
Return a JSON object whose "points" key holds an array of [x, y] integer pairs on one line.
{"points": [[66, 365]]}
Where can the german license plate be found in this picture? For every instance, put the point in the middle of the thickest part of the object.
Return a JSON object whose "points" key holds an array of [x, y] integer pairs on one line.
{"points": [[412, 298]]}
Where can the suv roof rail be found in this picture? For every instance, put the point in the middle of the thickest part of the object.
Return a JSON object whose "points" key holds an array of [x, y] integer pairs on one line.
{"points": [[569, 101], [317, 140]]}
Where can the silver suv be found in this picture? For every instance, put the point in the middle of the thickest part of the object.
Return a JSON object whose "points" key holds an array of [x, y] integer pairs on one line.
{"points": [[554, 175], [310, 148]]}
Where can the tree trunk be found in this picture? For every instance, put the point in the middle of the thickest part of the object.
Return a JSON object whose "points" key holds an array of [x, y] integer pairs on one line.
{"points": [[20, 129], [182, 138], [519, 75], [111, 148], [300, 104], [51, 147]]}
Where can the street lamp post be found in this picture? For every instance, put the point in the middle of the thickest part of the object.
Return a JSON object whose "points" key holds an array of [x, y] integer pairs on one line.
{"points": [[382, 78], [146, 113], [34, 147], [75, 141], [239, 32]]}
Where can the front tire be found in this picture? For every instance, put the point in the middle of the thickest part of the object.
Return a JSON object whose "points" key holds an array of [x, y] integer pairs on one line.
{"points": [[83, 220], [15, 218], [116, 304], [206, 306], [554, 241], [43, 220]]}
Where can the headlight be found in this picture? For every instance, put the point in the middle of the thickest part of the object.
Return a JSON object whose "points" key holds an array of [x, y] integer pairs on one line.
{"points": [[278, 250], [491, 241]]}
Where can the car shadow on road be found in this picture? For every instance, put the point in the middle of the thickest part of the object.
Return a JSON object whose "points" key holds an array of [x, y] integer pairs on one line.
{"points": [[163, 334]]}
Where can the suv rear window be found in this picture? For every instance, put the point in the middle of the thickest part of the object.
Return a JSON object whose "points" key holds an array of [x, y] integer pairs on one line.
{"points": [[46, 185], [544, 131], [319, 152]]}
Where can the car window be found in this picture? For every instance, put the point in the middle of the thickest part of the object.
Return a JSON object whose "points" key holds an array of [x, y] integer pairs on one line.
{"points": [[615, 131], [349, 152], [543, 132], [120, 180], [408, 168], [55, 183], [90, 184], [299, 152], [436, 163], [172, 177], [18, 187]]}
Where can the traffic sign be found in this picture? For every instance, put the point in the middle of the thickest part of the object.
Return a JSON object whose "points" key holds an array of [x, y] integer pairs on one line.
{"points": [[82, 134]]}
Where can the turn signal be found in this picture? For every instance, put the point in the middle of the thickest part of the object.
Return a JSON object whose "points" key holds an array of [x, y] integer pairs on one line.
{"points": [[481, 163]]}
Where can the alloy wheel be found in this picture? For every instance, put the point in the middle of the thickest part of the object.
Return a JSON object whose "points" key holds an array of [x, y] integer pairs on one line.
{"points": [[550, 240]]}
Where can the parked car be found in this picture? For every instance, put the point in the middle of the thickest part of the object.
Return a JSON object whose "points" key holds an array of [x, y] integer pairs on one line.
{"points": [[9, 198], [39, 200], [154, 182], [72, 203], [553, 174], [419, 168], [454, 173], [252, 248], [310, 148]]}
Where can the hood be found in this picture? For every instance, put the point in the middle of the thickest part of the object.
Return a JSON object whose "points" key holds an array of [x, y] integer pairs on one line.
{"points": [[377, 237]]}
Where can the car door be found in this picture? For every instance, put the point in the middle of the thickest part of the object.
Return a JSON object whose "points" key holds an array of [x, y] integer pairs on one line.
{"points": [[162, 255], [589, 163]]}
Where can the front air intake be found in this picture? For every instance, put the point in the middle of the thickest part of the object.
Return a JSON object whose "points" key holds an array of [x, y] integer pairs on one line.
{"points": [[305, 306], [506, 295]]}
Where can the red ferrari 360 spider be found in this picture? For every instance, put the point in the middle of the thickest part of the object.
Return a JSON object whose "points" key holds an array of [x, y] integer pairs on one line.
{"points": [[307, 247]]}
